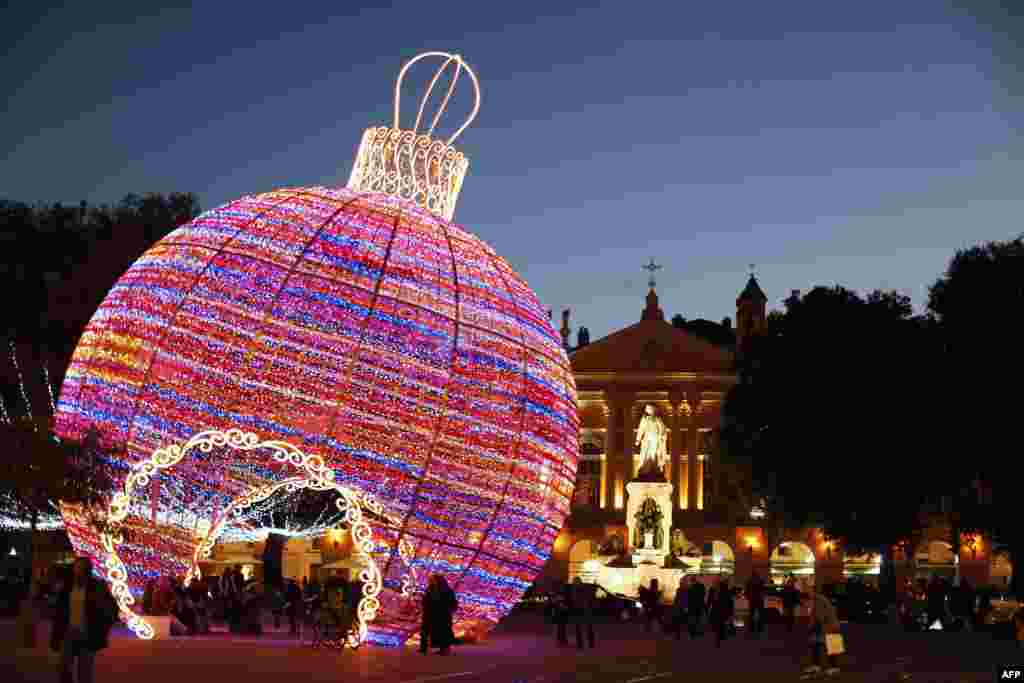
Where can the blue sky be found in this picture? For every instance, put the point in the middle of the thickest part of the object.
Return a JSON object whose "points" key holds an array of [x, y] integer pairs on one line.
{"points": [[826, 142]]}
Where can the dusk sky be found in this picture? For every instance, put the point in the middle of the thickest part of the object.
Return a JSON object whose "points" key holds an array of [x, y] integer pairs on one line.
{"points": [[827, 142]]}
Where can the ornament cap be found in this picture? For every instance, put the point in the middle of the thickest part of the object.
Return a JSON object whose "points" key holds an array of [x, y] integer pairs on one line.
{"points": [[413, 165]]}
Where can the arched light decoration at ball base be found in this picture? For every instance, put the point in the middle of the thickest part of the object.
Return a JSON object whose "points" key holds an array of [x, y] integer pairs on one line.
{"points": [[315, 475], [362, 328]]}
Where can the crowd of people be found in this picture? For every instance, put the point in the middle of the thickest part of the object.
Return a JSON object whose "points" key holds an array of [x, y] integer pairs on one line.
{"points": [[697, 608], [244, 604], [694, 608], [923, 603], [84, 610]]}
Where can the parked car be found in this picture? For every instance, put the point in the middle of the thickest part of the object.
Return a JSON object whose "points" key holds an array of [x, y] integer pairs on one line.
{"points": [[609, 604], [999, 620], [772, 606], [616, 605], [872, 608]]}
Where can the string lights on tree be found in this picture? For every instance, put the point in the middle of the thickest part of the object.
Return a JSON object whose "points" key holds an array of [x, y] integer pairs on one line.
{"points": [[49, 389], [359, 326], [21, 380]]}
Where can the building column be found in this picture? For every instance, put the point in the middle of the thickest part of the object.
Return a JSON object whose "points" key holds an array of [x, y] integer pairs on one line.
{"points": [[603, 493], [694, 471], [610, 465], [628, 438], [676, 469]]}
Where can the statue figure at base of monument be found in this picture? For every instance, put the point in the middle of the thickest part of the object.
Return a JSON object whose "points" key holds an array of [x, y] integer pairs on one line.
{"points": [[647, 534], [652, 438]]}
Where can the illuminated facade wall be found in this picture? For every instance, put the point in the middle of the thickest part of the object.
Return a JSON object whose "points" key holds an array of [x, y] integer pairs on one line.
{"points": [[359, 328]]}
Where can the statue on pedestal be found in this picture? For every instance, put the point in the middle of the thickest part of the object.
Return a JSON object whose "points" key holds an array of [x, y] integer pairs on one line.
{"points": [[652, 438]]}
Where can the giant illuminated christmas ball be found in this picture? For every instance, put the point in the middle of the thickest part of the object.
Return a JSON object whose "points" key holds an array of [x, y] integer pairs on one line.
{"points": [[319, 337]]}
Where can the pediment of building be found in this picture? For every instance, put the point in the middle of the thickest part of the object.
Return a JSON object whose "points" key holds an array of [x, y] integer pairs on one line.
{"points": [[652, 345]]}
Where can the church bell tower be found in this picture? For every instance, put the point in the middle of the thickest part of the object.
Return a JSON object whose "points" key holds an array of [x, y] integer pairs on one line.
{"points": [[751, 319]]}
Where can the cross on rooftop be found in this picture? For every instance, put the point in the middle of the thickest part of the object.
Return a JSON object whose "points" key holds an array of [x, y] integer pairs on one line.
{"points": [[650, 268]]}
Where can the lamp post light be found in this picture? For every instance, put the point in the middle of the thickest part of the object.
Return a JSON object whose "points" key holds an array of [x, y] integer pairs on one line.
{"points": [[972, 543]]}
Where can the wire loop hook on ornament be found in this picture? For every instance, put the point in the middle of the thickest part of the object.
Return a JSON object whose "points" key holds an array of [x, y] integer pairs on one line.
{"points": [[459, 66]]}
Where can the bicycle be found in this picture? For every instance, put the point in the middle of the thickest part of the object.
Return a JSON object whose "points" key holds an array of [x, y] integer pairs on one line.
{"points": [[332, 629]]}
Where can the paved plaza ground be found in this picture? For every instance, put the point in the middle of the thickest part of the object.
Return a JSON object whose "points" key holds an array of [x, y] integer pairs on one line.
{"points": [[523, 650]]}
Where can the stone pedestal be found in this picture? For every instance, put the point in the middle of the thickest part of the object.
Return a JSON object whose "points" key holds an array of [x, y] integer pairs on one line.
{"points": [[661, 493]]}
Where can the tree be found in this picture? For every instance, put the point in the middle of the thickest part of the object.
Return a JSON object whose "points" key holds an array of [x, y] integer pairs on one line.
{"points": [[38, 471], [830, 414], [63, 260], [976, 304]]}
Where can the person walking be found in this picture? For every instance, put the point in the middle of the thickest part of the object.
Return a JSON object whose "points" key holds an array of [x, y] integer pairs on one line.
{"points": [[183, 609], [584, 595], [695, 608], [1018, 627], [86, 611], [964, 605], [824, 623], [790, 601], [293, 606], [722, 611], [650, 598], [335, 605], [936, 602], [199, 593], [679, 607], [230, 594], [561, 609], [905, 604], [439, 605], [355, 594], [755, 599], [984, 607]]}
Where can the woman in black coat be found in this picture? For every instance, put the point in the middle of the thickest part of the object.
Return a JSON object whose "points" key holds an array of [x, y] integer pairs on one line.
{"points": [[439, 605], [85, 613], [723, 607]]}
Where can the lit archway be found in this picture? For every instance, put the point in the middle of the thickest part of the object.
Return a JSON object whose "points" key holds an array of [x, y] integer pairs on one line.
{"points": [[936, 558], [866, 567], [311, 474], [350, 504], [721, 559], [1001, 569], [791, 558]]}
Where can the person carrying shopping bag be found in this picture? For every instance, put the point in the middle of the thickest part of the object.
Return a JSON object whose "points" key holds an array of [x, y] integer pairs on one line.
{"points": [[826, 638]]}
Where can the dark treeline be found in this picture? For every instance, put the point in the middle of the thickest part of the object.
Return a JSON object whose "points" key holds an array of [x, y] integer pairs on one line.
{"points": [[58, 262], [855, 413]]}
